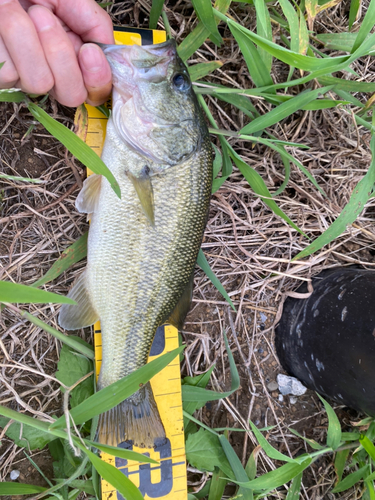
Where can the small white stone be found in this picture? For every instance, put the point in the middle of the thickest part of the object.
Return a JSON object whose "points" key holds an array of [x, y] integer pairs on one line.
{"points": [[14, 474], [290, 385], [281, 398], [292, 400]]}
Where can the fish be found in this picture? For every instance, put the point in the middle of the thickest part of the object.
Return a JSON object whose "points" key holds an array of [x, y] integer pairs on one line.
{"points": [[142, 248]]}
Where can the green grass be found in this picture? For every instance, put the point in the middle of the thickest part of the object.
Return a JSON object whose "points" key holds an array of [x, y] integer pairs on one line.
{"points": [[207, 449]]}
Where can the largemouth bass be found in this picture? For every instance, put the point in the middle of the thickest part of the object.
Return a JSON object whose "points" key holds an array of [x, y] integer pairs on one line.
{"points": [[142, 248]]}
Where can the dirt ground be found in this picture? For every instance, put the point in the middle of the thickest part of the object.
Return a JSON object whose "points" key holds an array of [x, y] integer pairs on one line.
{"points": [[247, 246]]}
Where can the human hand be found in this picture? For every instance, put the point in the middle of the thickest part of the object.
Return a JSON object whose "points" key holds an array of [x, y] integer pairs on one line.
{"points": [[44, 44]]}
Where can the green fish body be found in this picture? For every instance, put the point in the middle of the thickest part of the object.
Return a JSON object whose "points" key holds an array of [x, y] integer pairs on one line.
{"points": [[142, 248]]}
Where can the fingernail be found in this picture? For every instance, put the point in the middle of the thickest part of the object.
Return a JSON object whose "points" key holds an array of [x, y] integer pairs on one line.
{"points": [[91, 58]]}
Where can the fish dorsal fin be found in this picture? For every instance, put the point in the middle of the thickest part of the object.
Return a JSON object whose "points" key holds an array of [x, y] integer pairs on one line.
{"points": [[179, 313], [83, 314], [88, 197], [142, 185]]}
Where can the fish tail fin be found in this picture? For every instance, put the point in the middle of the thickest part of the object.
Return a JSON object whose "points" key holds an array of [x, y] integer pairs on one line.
{"points": [[136, 419]]}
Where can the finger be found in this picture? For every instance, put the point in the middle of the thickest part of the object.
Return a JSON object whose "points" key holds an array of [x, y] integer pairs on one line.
{"points": [[86, 18], [69, 88], [96, 73], [22, 43], [8, 72]]}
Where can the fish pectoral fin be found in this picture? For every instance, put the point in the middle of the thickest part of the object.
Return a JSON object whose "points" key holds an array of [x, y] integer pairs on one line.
{"points": [[142, 185], [73, 317], [179, 313], [88, 197]]}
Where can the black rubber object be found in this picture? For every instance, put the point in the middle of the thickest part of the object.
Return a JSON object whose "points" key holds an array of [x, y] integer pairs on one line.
{"points": [[328, 340]]}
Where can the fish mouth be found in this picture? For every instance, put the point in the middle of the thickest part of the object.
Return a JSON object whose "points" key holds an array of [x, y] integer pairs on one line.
{"points": [[165, 49]]}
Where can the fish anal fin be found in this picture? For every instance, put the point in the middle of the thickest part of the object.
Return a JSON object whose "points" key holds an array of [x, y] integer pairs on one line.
{"points": [[88, 197], [73, 317], [142, 185], [136, 419], [179, 313]]}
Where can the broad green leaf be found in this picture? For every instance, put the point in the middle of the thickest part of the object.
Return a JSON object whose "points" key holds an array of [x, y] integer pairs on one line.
{"points": [[69, 256], [11, 95], [204, 451], [203, 9], [27, 437], [111, 396], [295, 488], [75, 145], [259, 187], [22, 179], [198, 71], [155, 13], [69, 340], [366, 26], [204, 265], [277, 477], [340, 461], [351, 479], [197, 394], [283, 110], [359, 197], [19, 489], [334, 427], [256, 66], [115, 477], [269, 449], [71, 368], [22, 294], [237, 468]]}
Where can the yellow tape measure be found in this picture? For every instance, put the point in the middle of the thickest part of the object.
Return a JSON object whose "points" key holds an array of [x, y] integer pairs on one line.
{"points": [[166, 481]]}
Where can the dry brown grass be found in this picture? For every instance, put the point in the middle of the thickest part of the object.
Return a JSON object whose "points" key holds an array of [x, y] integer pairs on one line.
{"points": [[248, 247]]}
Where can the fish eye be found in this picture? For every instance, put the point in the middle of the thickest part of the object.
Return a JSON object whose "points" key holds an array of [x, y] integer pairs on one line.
{"points": [[181, 81]]}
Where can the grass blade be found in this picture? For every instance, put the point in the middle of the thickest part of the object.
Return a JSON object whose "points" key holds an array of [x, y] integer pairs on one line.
{"points": [[23, 294], [294, 490], [268, 449], [203, 9], [115, 477], [69, 340], [359, 197], [22, 179], [366, 26], [75, 145], [353, 12], [259, 187], [277, 477], [205, 266], [197, 394], [257, 69], [351, 480], [11, 95], [283, 110], [155, 13], [264, 29], [70, 256], [340, 461], [198, 71], [237, 468], [111, 396], [334, 427], [217, 486], [19, 489]]}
